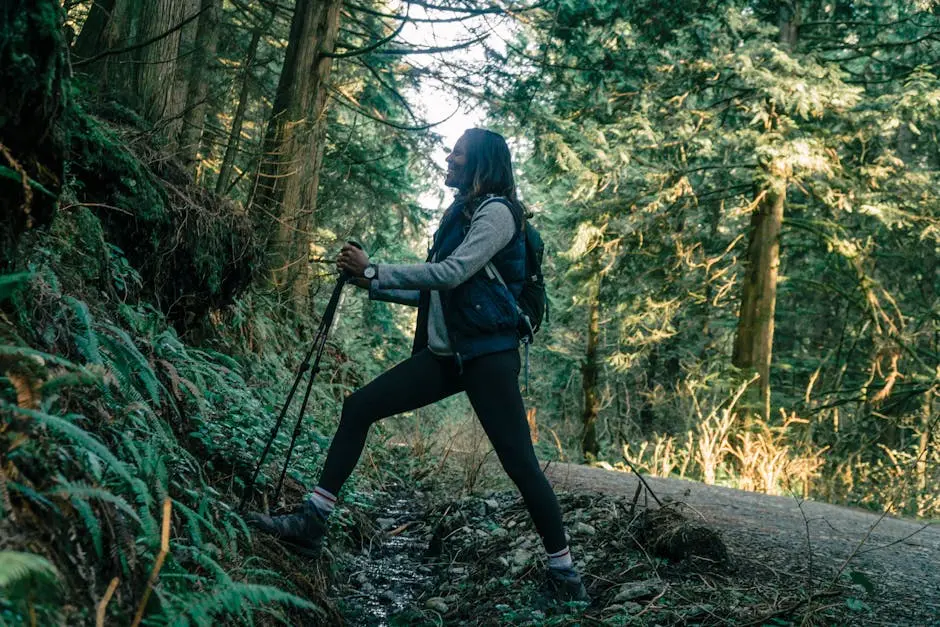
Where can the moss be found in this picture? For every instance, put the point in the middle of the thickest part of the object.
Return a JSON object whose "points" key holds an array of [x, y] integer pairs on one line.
{"points": [[33, 70], [194, 250]]}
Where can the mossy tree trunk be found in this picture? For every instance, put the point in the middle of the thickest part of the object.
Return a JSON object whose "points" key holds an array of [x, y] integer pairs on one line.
{"points": [[285, 197], [33, 141]]}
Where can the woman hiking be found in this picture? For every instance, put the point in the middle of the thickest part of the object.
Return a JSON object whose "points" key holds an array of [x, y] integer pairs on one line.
{"points": [[466, 341]]}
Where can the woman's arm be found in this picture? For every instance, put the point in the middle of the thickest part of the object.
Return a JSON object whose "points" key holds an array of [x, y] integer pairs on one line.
{"points": [[491, 228], [401, 297]]}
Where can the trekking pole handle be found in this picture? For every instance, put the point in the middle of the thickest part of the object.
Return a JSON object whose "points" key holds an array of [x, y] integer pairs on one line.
{"points": [[345, 276]]}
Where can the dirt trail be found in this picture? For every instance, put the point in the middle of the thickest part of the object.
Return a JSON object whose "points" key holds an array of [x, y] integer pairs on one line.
{"points": [[900, 557]]}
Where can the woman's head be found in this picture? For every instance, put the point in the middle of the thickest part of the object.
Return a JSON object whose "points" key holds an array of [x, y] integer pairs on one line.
{"points": [[480, 164]]}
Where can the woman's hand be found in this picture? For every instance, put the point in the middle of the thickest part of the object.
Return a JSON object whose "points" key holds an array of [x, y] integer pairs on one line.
{"points": [[352, 260]]}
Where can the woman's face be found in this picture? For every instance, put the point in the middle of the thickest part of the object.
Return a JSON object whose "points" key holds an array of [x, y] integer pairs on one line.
{"points": [[457, 175]]}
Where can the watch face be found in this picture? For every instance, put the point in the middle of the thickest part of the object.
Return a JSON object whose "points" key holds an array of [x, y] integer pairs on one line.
{"points": [[369, 272]]}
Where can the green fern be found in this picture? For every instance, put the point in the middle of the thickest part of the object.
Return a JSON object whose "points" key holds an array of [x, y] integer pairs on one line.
{"points": [[235, 598], [81, 491], [17, 568], [73, 434], [131, 363], [87, 514], [25, 353], [88, 342]]}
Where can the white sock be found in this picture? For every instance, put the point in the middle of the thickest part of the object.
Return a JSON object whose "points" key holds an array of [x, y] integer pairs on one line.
{"points": [[323, 500], [561, 559]]}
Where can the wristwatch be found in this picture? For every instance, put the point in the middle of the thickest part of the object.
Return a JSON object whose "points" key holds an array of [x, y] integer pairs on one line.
{"points": [[371, 271]]}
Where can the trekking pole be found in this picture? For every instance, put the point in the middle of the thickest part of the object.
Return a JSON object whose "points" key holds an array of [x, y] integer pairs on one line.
{"points": [[316, 352]]}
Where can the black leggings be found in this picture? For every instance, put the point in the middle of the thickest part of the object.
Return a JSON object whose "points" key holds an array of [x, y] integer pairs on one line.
{"points": [[491, 383]]}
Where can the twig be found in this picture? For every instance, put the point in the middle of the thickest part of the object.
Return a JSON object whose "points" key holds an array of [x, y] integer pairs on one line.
{"points": [[636, 499], [103, 603], [157, 565], [643, 481]]}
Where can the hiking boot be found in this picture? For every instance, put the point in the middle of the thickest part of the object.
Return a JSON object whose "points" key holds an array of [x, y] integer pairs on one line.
{"points": [[303, 530], [564, 585]]}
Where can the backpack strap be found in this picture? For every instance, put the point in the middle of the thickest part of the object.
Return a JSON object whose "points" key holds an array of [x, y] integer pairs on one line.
{"points": [[514, 208], [493, 273]]}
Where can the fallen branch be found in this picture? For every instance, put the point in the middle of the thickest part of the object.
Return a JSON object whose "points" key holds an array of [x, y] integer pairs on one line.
{"points": [[103, 603], [164, 550]]}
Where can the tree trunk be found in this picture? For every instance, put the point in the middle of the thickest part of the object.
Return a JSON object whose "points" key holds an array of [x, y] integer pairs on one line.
{"points": [[753, 343], [111, 25], [285, 198], [589, 370], [91, 38], [158, 99], [194, 117], [33, 72], [234, 138]]}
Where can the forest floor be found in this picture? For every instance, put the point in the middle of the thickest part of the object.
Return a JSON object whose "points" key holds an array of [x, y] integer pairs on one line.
{"points": [[710, 556]]}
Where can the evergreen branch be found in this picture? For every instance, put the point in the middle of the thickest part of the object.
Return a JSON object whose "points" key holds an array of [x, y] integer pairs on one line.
{"points": [[355, 52], [435, 49], [493, 10], [395, 125], [424, 20]]}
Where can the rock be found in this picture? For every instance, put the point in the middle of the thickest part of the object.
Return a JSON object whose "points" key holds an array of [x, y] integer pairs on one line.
{"points": [[491, 504], [520, 560], [638, 590], [584, 529], [388, 595], [437, 604], [520, 557], [499, 533], [385, 523]]}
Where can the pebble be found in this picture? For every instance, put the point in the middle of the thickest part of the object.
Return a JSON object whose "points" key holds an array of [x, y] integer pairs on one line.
{"points": [[437, 604], [499, 533], [584, 528], [491, 504], [385, 523]]}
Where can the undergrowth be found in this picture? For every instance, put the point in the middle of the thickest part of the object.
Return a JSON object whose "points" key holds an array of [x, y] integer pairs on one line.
{"points": [[106, 414]]}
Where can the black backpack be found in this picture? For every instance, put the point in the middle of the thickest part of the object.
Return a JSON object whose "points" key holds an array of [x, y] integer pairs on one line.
{"points": [[532, 302]]}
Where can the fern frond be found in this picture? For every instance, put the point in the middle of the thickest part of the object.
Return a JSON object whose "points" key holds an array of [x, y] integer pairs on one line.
{"points": [[126, 354], [27, 353], [70, 379], [16, 567], [87, 343], [74, 435], [87, 514], [75, 490], [234, 598]]}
